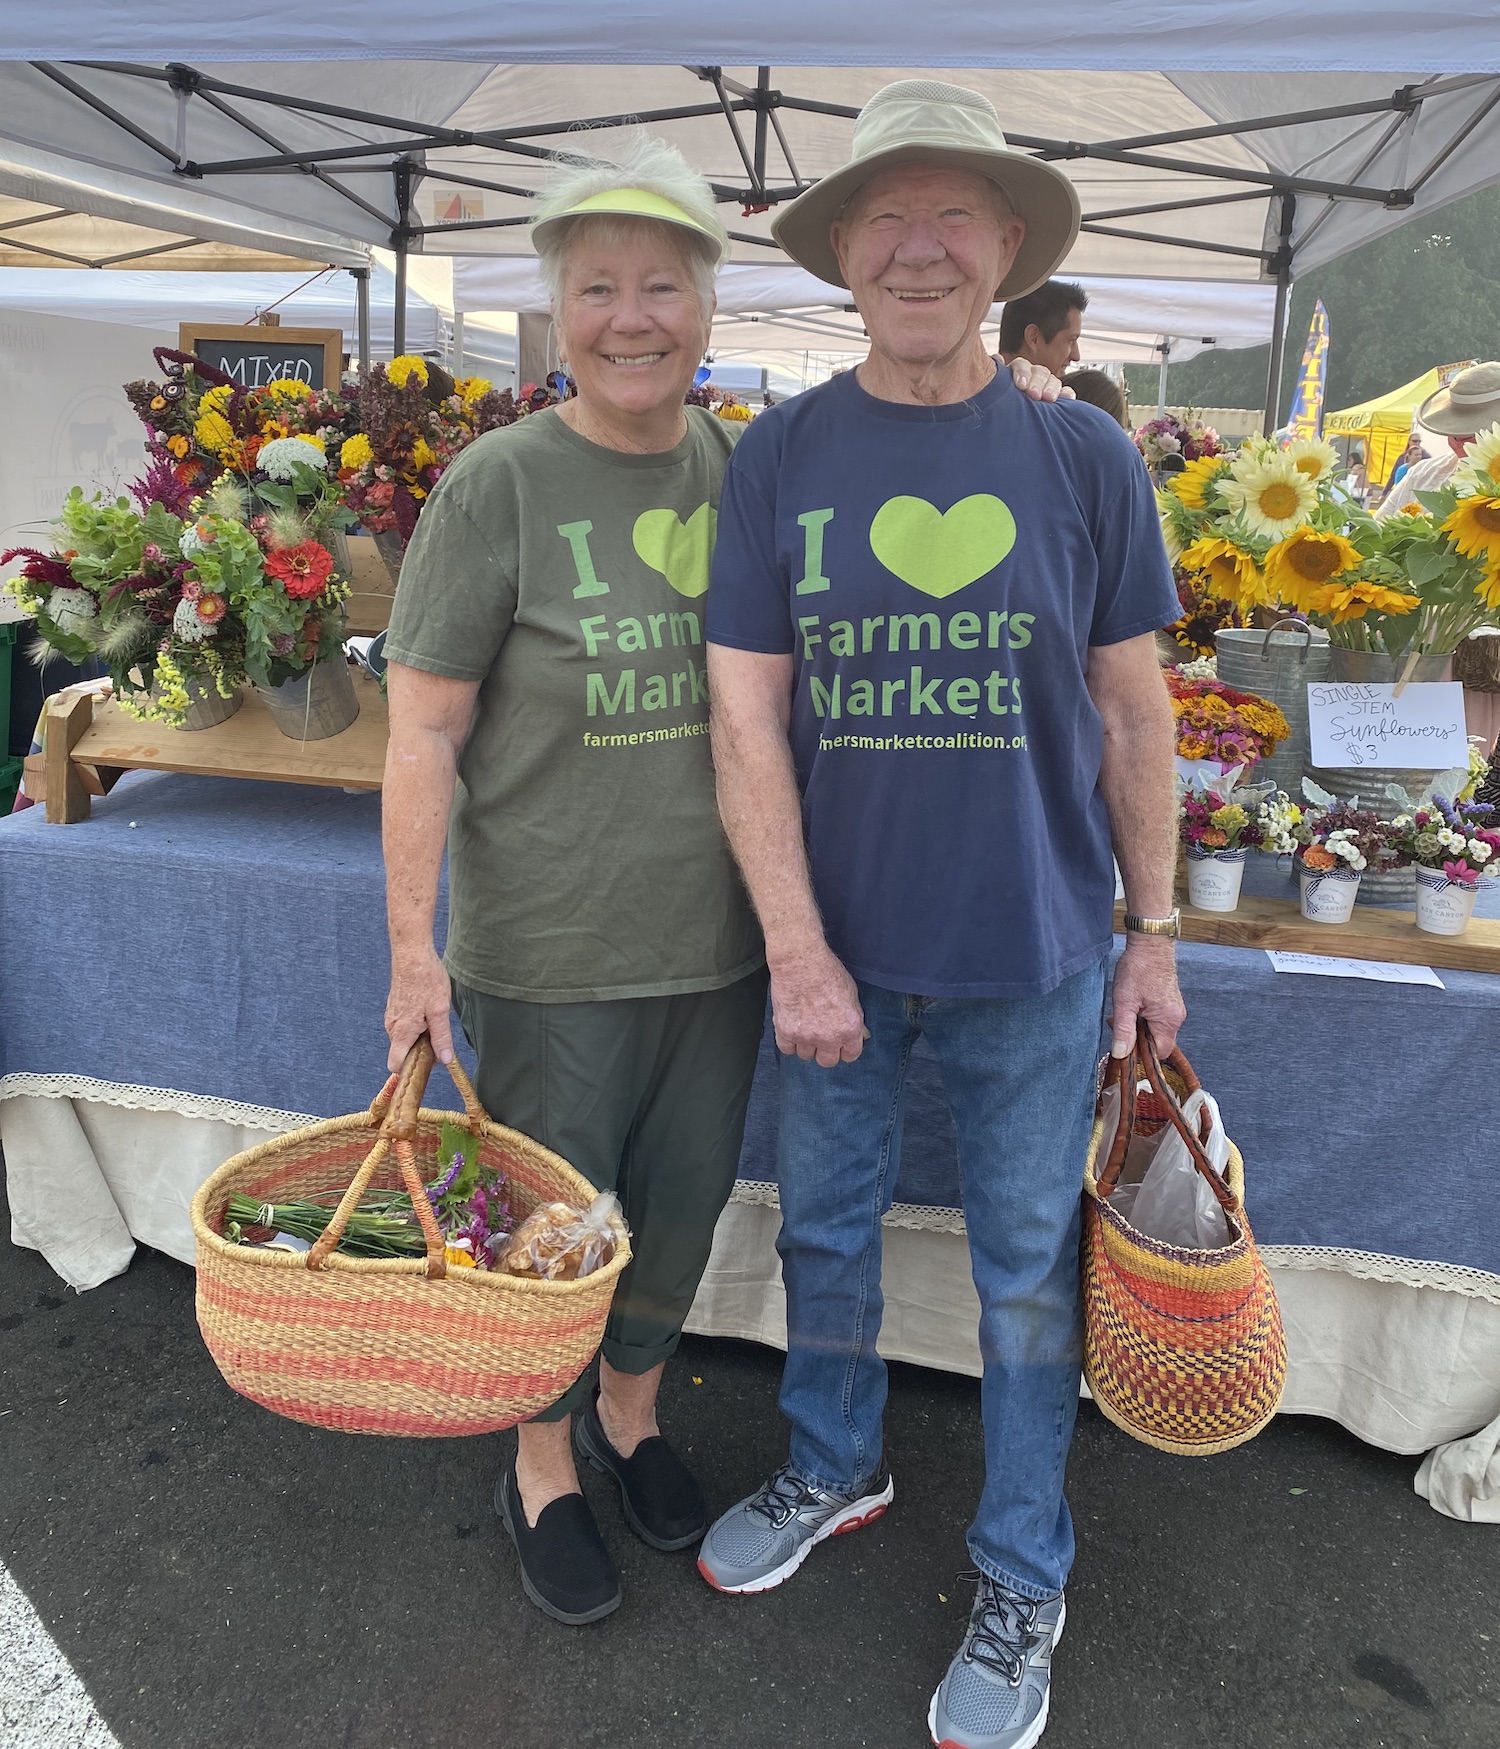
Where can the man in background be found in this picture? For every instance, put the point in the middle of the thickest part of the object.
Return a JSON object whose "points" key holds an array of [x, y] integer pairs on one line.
{"points": [[1044, 326], [1470, 404]]}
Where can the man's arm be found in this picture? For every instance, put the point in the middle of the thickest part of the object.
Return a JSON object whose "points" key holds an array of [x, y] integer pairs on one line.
{"points": [[814, 1003], [430, 718], [1135, 776]]}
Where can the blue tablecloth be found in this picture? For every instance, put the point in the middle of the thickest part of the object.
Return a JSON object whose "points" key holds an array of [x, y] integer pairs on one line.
{"points": [[227, 938]]}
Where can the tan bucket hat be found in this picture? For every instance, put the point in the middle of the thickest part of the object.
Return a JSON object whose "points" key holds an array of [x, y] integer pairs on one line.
{"points": [[1470, 403], [922, 121]]}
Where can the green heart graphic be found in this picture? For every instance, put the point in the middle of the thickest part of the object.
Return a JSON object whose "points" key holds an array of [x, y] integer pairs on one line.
{"points": [[679, 550], [941, 552]]}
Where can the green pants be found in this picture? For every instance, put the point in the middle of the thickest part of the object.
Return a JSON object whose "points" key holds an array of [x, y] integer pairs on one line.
{"points": [[646, 1097]]}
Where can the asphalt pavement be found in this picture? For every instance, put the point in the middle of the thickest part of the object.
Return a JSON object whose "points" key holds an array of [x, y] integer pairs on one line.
{"points": [[218, 1577]]}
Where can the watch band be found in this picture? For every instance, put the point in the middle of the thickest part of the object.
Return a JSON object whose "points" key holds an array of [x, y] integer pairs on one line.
{"points": [[1171, 926]]}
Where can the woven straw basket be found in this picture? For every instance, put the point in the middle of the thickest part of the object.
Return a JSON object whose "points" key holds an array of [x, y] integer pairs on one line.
{"points": [[401, 1346], [1183, 1349]]}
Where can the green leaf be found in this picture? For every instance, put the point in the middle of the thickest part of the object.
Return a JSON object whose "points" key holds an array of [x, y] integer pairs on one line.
{"points": [[454, 1139]]}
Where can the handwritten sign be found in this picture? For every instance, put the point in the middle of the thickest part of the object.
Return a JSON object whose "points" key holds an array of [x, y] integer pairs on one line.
{"points": [[1386, 728], [1326, 966], [255, 356]]}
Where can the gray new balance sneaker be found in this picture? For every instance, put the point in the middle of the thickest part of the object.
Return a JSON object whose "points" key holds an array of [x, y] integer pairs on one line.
{"points": [[996, 1691], [766, 1538]]}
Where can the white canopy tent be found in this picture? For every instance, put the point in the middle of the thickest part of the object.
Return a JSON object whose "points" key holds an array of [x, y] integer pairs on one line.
{"points": [[1319, 129]]}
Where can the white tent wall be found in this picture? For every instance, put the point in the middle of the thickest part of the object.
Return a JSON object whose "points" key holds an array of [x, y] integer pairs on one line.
{"points": [[66, 417]]}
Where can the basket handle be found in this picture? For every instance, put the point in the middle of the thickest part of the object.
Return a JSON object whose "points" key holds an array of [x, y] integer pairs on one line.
{"points": [[1293, 624], [395, 1109], [1144, 1061]]}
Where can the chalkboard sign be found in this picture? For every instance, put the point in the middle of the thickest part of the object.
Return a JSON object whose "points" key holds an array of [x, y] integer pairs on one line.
{"points": [[254, 356]]}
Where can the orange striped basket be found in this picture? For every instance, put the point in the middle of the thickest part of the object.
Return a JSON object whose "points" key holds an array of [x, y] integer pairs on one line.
{"points": [[400, 1346], [1183, 1349]]}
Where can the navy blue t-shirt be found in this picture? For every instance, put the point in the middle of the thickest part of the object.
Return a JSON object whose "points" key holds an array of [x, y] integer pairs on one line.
{"points": [[939, 574]]}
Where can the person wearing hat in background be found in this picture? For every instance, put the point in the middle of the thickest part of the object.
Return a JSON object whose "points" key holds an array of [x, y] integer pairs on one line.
{"points": [[1468, 405], [546, 675], [935, 702]]}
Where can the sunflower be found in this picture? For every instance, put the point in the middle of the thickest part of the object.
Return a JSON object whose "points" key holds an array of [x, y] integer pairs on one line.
{"points": [[1190, 487], [1474, 527], [1229, 570], [1339, 602], [1488, 587], [1482, 457], [1313, 456], [1271, 494], [1305, 560]]}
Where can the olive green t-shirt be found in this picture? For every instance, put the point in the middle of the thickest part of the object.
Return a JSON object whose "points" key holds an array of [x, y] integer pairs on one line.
{"points": [[585, 857]]}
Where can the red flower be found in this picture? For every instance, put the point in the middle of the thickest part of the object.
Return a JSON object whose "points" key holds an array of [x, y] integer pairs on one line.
{"points": [[303, 570]]}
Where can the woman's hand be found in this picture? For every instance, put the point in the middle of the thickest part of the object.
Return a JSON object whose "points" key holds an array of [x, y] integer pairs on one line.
{"points": [[1038, 382], [420, 999]]}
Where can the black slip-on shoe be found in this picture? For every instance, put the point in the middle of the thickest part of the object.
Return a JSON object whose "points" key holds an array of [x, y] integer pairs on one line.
{"points": [[566, 1570], [663, 1503]]}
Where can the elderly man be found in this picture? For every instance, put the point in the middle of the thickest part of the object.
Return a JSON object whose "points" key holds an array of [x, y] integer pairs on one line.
{"points": [[935, 702], [1468, 405], [1044, 326]]}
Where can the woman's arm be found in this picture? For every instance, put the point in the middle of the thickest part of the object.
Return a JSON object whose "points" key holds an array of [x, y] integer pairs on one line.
{"points": [[430, 718]]}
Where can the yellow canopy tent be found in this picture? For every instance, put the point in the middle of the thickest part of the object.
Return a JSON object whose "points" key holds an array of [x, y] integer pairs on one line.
{"points": [[1385, 423]]}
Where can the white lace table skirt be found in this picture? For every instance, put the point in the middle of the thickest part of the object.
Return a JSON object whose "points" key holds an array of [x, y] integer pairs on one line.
{"points": [[1406, 1355]]}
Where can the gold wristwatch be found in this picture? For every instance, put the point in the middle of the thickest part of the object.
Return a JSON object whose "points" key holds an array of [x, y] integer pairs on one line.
{"points": [[1171, 926]]}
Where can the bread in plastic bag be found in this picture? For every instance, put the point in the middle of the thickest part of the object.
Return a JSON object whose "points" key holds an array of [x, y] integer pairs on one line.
{"points": [[557, 1242], [1173, 1202]]}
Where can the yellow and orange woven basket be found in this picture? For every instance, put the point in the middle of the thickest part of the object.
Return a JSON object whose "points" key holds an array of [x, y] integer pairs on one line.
{"points": [[404, 1346], [1183, 1349]]}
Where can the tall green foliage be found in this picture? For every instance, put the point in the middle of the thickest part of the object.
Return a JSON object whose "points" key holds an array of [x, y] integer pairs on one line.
{"points": [[1426, 294]]}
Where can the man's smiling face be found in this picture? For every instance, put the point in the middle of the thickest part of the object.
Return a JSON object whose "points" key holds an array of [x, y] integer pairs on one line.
{"points": [[923, 249]]}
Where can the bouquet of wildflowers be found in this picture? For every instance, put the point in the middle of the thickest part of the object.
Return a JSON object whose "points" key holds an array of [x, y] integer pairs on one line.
{"points": [[470, 1201], [1456, 838], [1218, 723], [1209, 821], [1329, 834], [1188, 438]]}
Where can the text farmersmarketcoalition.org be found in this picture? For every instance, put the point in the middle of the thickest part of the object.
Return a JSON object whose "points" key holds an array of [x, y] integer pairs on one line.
{"points": [[920, 743], [642, 736]]}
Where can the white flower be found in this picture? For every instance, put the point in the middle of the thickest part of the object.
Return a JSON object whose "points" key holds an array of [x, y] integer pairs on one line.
{"points": [[72, 611], [187, 625], [1313, 456], [1449, 839], [191, 543], [1270, 493], [1482, 457], [1167, 444], [1479, 851], [277, 457]]}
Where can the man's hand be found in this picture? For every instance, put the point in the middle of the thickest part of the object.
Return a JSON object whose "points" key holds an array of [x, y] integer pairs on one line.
{"points": [[1038, 382], [815, 1010], [1145, 988], [420, 998]]}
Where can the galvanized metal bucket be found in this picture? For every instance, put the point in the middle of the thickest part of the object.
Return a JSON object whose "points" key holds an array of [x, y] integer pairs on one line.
{"points": [[1277, 665], [314, 704]]}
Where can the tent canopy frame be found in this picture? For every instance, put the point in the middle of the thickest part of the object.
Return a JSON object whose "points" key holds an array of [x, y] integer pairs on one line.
{"points": [[733, 99]]}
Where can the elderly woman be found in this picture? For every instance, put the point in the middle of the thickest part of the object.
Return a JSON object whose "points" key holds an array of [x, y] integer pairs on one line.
{"points": [[549, 721]]}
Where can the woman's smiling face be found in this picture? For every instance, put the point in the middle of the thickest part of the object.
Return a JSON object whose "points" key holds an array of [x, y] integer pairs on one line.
{"points": [[632, 330]]}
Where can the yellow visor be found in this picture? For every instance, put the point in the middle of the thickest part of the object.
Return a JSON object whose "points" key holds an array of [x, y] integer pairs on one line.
{"points": [[639, 203]]}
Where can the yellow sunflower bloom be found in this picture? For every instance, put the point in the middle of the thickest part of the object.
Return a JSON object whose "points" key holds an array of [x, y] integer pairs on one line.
{"points": [[1313, 456], [422, 454], [1488, 587], [401, 370], [1271, 494], [1306, 560], [1482, 457], [1338, 602], [1474, 527], [1190, 487], [356, 452], [1232, 573]]}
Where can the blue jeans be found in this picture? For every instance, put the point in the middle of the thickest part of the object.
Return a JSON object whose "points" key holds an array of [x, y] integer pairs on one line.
{"points": [[1020, 1079]]}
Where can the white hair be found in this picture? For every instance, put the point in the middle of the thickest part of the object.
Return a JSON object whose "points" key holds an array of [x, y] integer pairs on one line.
{"points": [[639, 161]]}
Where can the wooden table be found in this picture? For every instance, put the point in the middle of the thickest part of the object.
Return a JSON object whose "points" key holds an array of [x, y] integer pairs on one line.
{"points": [[91, 740], [1370, 934]]}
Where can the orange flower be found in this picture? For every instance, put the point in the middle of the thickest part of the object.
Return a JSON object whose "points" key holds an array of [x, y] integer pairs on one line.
{"points": [[1214, 838], [1316, 857], [178, 445]]}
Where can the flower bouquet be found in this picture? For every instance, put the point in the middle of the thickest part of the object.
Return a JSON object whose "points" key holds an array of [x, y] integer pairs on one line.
{"points": [[1219, 729], [1173, 440], [1334, 843], [1453, 845], [1216, 828], [413, 419]]}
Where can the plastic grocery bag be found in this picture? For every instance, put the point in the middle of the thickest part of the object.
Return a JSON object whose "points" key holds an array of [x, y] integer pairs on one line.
{"points": [[558, 1242], [1173, 1202]]}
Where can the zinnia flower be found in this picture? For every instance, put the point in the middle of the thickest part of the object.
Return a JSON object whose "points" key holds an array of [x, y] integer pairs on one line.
{"points": [[1474, 527], [303, 570], [1306, 559], [1316, 857], [401, 370], [1271, 494], [356, 452]]}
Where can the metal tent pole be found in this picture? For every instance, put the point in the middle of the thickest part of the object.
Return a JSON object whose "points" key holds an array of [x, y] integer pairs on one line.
{"points": [[456, 356], [1161, 379], [1283, 266], [361, 278], [398, 344]]}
